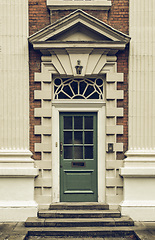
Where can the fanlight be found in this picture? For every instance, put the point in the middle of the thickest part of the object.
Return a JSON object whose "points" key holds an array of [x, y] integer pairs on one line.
{"points": [[78, 88]]}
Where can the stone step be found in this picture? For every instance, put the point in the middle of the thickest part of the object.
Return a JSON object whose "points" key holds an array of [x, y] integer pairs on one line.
{"points": [[81, 232], [127, 237], [78, 222], [79, 214], [79, 206]]}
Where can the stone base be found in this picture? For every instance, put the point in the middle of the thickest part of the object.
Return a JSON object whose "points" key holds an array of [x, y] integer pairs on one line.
{"points": [[137, 212], [139, 186], [17, 211], [17, 173]]}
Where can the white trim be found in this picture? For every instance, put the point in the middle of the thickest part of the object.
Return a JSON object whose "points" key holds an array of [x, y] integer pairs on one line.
{"points": [[74, 107], [78, 104], [18, 204], [15, 156], [143, 172], [18, 172], [128, 203], [64, 5], [108, 46]]}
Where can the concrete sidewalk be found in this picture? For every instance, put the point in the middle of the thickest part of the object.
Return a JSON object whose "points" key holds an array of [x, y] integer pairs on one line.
{"points": [[145, 230], [17, 231]]}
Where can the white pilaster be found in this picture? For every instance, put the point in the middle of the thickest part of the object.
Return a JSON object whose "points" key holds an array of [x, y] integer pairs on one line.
{"points": [[17, 170], [139, 166]]}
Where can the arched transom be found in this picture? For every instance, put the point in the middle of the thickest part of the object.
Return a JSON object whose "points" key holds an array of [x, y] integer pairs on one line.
{"points": [[78, 88]]}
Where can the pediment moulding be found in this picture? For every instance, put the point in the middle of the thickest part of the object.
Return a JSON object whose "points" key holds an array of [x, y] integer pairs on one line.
{"points": [[79, 31]]}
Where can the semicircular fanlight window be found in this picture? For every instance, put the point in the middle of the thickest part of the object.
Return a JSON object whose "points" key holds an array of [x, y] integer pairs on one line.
{"points": [[75, 88]]}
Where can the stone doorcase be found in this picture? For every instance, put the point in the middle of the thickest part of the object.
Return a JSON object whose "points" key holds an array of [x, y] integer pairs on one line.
{"points": [[78, 39]]}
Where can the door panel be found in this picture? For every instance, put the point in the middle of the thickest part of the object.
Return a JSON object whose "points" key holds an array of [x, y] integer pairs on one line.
{"points": [[78, 157]]}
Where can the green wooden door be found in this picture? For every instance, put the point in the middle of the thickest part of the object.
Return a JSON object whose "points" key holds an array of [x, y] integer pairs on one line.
{"points": [[78, 157]]}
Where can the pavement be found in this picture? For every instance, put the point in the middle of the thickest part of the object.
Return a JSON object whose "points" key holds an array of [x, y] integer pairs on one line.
{"points": [[17, 231]]}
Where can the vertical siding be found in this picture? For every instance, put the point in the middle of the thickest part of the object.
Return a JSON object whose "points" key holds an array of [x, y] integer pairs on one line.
{"points": [[142, 75], [14, 94]]}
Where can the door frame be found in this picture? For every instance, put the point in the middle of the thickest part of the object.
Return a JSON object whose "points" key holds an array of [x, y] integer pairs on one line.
{"points": [[78, 106]]}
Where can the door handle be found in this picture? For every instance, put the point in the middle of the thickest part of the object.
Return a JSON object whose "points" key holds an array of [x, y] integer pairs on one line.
{"points": [[61, 148]]}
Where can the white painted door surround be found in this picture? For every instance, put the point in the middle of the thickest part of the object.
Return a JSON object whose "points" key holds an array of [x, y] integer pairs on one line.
{"points": [[95, 49]]}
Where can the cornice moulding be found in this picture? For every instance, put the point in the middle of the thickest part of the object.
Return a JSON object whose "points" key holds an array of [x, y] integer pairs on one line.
{"points": [[140, 153], [15, 152], [15, 156], [48, 46], [138, 203], [65, 5], [138, 172], [81, 104], [18, 204], [18, 172]]}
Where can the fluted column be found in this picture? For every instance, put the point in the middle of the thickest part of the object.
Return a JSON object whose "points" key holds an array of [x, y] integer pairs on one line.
{"points": [[14, 90], [139, 166], [17, 170], [142, 76]]}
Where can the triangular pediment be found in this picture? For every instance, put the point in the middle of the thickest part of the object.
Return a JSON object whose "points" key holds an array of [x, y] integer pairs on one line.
{"points": [[79, 38], [79, 32], [79, 26]]}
